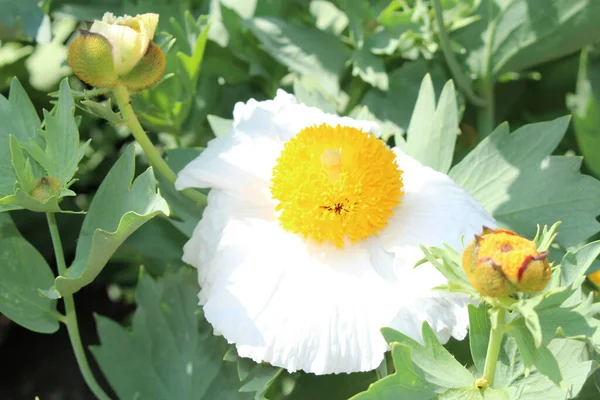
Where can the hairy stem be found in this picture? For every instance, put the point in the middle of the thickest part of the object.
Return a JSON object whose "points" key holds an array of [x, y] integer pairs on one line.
{"points": [[131, 121], [71, 315], [462, 81]]}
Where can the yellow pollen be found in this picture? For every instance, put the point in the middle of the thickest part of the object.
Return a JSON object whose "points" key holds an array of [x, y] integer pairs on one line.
{"points": [[336, 183]]}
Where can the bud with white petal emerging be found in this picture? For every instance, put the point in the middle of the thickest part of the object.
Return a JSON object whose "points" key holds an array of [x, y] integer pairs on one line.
{"points": [[118, 51]]}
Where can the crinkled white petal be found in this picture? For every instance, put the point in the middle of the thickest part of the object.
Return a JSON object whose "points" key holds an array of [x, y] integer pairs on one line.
{"points": [[243, 159], [300, 305], [294, 304], [129, 38]]}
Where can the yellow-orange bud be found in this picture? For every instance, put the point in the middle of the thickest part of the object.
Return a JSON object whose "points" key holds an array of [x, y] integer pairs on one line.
{"points": [[46, 188], [595, 277], [500, 263]]}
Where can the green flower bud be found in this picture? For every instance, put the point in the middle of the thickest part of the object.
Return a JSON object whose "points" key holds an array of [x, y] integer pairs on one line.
{"points": [[46, 188], [500, 263], [118, 51], [91, 59]]}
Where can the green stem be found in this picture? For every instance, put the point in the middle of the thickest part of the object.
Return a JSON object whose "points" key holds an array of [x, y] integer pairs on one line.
{"points": [[497, 316], [486, 116], [486, 119], [71, 320], [131, 121], [462, 81]]}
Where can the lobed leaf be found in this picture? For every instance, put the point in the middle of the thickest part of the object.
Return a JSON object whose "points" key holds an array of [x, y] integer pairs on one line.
{"points": [[407, 382], [513, 35], [438, 366], [170, 351], [432, 131], [515, 180], [121, 205]]}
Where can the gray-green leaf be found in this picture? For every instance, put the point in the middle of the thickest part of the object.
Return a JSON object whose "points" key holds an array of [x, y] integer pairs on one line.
{"points": [[517, 181], [24, 271], [62, 151], [408, 382], [513, 35], [439, 367], [304, 50], [432, 130], [120, 206], [170, 351]]}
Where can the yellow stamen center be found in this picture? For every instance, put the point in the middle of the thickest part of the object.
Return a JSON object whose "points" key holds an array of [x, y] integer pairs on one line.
{"points": [[335, 184]]}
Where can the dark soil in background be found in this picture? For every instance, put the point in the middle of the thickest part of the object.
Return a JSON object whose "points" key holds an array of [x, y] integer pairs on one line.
{"points": [[34, 364], [41, 365]]}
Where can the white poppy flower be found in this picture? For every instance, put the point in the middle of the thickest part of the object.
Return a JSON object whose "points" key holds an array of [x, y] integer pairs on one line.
{"points": [[307, 246], [128, 36]]}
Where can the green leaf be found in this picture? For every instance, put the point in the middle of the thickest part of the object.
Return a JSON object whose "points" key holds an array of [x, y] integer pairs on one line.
{"points": [[170, 351], [474, 394], [256, 378], [23, 271], [571, 356], [432, 130], [191, 63], [439, 367], [408, 382], [370, 68], [20, 20], [20, 120], [328, 17], [120, 206], [513, 35], [479, 334], [541, 357], [396, 105], [157, 245], [62, 152], [515, 180], [304, 50], [585, 105], [574, 265], [220, 126]]}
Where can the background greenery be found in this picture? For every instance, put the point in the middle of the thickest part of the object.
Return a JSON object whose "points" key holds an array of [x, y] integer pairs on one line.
{"points": [[521, 61]]}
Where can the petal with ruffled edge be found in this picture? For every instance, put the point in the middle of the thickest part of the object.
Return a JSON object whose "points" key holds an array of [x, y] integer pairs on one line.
{"points": [[300, 305], [293, 304]]}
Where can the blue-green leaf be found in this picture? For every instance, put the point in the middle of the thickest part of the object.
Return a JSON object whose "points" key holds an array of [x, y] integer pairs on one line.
{"points": [[170, 351], [439, 367], [517, 181], [432, 130], [407, 382], [120, 206], [24, 271]]}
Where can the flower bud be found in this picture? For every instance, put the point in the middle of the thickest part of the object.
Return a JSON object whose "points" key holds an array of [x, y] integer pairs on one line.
{"points": [[118, 51], [500, 263], [595, 277], [46, 188]]}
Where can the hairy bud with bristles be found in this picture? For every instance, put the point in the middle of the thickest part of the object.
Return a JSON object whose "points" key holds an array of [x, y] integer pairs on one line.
{"points": [[118, 51]]}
